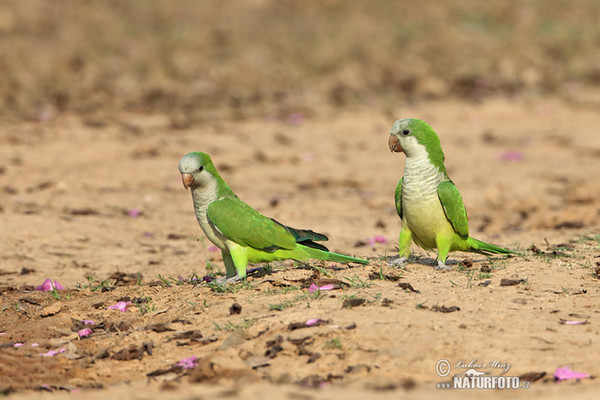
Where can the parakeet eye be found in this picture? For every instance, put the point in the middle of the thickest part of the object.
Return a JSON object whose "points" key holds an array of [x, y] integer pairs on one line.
{"points": [[405, 132], [200, 168]]}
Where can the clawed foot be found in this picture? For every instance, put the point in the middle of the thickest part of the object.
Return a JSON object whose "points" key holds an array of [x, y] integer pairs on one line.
{"points": [[398, 261], [224, 280], [440, 266]]}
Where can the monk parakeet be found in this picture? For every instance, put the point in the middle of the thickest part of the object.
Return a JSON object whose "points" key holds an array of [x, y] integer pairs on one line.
{"points": [[242, 233], [430, 206]]}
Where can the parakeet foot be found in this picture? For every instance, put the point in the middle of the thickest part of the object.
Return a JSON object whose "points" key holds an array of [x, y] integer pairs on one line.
{"points": [[398, 261], [440, 266], [224, 280]]}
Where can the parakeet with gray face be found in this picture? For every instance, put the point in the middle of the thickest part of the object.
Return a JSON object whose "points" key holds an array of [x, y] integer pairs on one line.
{"points": [[430, 206], [242, 233]]}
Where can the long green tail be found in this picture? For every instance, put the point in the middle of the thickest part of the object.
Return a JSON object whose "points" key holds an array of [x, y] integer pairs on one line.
{"points": [[485, 248], [329, 256]]}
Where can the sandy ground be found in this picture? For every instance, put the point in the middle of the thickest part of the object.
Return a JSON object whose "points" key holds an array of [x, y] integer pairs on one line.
{"points": [[101, 210]]}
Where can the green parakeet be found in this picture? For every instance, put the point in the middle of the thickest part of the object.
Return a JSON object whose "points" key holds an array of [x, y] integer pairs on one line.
{"points": [[430, 206], [242, 233]]}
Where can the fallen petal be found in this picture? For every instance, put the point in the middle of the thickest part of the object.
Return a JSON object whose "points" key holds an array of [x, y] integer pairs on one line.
{"points": [[575, 322], [18, 344], [314, 321], [88, 322], [84, 332], [134, 213], [313, 288], [187, 363], [511, 155], [48, 286], [52, 353], [327, 287], [121, 306], [565, 373]]}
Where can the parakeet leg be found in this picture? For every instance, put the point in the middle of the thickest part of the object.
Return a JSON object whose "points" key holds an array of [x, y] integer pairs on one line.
{"points": [[239, 255], [404, 241], [229, 265], [443, 244], [403, 246]]}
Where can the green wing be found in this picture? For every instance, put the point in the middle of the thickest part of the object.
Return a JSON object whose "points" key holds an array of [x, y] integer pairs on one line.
{"points": [[398, 197], [244, 225], [453, 207]]}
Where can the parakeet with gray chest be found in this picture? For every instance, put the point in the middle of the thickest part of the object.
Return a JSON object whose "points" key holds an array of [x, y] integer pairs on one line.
{"points": [[429, 204], [242, 233]]}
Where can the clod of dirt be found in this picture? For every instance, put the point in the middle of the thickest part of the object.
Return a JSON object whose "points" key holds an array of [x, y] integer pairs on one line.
{"points": [[82, 211], [358, 368], [158, 328], [407, 286], [313, 357], [444, 309], [386, 302], [223, 365], [467, 262], [274, 347], [510, 282], [235, 308], [485, 283], [350, 303], [123, 279], [485, 268], [375, 276], [133, 352], [52, 309], [193, 334], [532, 376]]}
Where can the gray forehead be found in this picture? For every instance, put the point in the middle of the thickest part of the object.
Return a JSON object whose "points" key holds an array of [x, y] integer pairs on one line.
{"points": [[400, 125], [188, 164]]}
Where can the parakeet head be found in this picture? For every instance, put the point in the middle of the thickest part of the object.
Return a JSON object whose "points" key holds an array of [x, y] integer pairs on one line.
{"points": [[416, 138], [196, 169]]}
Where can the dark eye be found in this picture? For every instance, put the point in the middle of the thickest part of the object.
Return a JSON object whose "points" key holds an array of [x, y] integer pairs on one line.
{"points": [[405, 132], [201, 168]]}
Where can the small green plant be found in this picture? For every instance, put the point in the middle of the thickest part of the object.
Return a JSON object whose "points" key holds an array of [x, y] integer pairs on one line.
{"points": [[230, 326], [281, 306], [94, 284], [453, 284], [145, 305], [356, 281], [420, 306], [334, 343]]}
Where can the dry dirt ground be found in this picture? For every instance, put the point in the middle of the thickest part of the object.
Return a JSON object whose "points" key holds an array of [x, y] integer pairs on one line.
{"points": [[101, 209]]}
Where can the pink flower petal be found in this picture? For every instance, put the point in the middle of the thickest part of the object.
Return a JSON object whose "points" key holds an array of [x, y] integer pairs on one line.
{"points": [[565, 373], [121, 306], [575, 322], [187, 363], [314, 321], [18, 344], [313, 287], [134, 212], [48, 286], [212, 248], [511, 155], [327, 287], [88, 322], [377, 239], [35, 344], [52, 353], [84, 332]]}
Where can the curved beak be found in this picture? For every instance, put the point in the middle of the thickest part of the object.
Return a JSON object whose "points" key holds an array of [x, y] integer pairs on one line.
{"points": [[394, 144], [187, 179]]}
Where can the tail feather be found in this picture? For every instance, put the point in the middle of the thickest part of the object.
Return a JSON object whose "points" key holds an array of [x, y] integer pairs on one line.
{"points": [[485, 248], [330, 256]]}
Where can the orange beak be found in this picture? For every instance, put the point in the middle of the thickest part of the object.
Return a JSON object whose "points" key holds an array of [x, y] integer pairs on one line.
{"points": [[394, 144], [187, 179]]}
